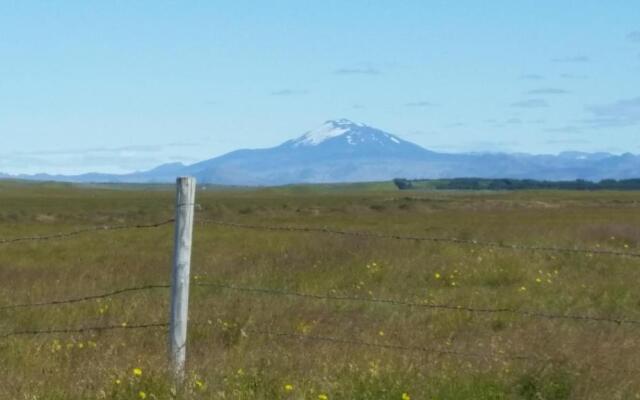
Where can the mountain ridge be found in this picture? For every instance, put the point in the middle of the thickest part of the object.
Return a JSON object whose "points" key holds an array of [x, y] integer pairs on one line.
{"points": [[345, 151]]}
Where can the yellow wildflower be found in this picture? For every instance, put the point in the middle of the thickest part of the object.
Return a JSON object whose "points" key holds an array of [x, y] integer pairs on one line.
{"points": [[137, 372], [142, 395], [437, 275], [322, 396], [405, 396], [56, 346], [288, 387]]}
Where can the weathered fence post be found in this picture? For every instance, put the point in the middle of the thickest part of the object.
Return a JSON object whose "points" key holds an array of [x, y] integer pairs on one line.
{"points": [[185, 198]]}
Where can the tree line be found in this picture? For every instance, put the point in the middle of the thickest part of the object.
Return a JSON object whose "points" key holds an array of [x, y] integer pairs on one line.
{"points": [[514, 184]]}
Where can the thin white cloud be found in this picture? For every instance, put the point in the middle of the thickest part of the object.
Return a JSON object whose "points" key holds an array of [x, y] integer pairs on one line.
{"points": [[531, 103], [357, 71], [119, 159], [573, 76], [572, 59], [634, 36], [289, 92], [532, 77], [625, 112], [567, 141], [420, 104], [565, 129], [547, 91]]}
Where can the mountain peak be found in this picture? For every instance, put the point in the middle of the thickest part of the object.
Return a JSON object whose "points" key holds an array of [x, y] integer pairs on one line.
{"points": [[343, 122], [351, 133], [330, 129]]}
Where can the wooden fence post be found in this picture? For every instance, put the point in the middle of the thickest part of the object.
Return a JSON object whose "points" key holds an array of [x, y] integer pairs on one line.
{"points": [[185, 198]]}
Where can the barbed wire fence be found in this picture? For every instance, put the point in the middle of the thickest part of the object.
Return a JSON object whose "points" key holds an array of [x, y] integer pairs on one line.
{"points": [[65, 235], [280, 292]]}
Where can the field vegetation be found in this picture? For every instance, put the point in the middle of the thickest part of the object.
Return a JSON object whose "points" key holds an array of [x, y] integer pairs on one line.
{"points": [[259, 345]]}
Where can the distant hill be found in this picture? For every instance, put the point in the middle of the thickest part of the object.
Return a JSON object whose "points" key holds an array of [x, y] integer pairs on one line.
{"points": [[345, 151]]}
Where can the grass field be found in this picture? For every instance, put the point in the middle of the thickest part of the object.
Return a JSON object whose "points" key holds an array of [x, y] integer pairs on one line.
{"points": [[467, 355]]}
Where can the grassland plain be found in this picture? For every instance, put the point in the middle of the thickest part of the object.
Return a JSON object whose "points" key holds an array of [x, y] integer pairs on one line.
{"points": [[231, 356]]}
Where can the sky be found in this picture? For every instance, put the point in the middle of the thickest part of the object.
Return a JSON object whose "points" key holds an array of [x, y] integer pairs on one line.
{"points": [[117, 86]]}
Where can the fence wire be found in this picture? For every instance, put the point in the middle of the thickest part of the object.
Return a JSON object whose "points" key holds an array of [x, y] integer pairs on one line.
{"points": [[84, 298], [442, 307], [64, 235], [84, 329], [371, 300], [287, 335], [391, 346], [318, 339], [545, 361], [392, 236], [282, 292], [333, 231]]}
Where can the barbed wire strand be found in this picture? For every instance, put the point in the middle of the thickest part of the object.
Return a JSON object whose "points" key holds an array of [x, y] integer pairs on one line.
{"points": [[445, 307], [428, 350], [301, 337], [305, 337], [282, 292], [83, 329], [64, 235], [470, 242], [390, 346], [85, 298]]}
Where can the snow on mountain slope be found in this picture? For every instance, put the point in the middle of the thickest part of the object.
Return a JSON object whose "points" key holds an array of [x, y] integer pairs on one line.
{"points": [[345, 136], [328, 130]]}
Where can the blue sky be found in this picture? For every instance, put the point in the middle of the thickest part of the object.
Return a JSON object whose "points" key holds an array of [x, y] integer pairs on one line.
{"points": [[118, 86]]}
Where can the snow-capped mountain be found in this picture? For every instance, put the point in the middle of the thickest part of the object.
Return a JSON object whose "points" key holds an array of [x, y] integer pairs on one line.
{"points": [[346, 151], [345, 131], [345, 137], [329, 130]]}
